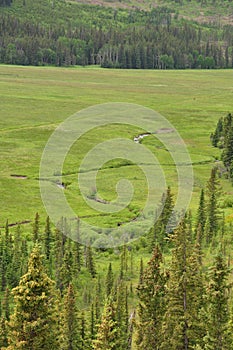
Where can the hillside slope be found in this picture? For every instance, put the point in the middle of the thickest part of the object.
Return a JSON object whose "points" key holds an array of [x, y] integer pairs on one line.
{"points": [[69, 33]]}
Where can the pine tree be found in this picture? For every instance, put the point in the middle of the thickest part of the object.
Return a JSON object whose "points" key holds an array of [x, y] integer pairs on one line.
{"points": [[151, 292], [217, 307], [48, 239], [109, 280], [34, 323], [183, 295], [201, 216], [227, 155], [36, 226], [15, 268], [90, 264], [141, 273], [212, 207], [218, 133], [66, 271], [70, 325], [107, 335], [160, 228]]}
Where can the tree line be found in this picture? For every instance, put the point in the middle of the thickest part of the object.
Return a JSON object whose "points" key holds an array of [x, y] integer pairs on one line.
{"points": [[222, 138], [53, 295], [39, 34]]}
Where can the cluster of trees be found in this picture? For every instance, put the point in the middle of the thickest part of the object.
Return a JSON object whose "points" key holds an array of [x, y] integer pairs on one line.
{"points": [[183, 302], [223, 139], [39, 34]]}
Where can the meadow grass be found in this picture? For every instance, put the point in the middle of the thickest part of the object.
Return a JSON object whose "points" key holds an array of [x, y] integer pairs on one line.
{"points": [[34, 100]]}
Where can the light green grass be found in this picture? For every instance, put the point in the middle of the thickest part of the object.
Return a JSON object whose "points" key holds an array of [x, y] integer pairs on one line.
{"points": [[35, 100]]}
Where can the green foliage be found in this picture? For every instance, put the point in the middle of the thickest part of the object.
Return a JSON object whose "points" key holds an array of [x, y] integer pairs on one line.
{"points": [[212, 208], [34, 322], [217, 307], [181, 322], [107, 336], [109, 280], [71, 329], [164, 223], [152, 39], [151, 294], [90, 264]]}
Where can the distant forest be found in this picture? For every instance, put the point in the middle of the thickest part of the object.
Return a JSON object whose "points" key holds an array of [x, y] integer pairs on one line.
{"points": [[65, 34]]}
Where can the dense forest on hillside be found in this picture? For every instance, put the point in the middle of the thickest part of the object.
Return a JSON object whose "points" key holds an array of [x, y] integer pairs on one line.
{"points": [[66, 33], [180, 299]]}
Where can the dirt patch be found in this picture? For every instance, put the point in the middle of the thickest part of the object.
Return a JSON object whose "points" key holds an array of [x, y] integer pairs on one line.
{"points": [[18, 223], [16, 176]]}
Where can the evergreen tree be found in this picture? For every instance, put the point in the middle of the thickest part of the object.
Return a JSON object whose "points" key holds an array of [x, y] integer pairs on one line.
{"points": [[151, 292], [48, 239], [34, 323], [90, 264], [227, 155], [70, 325], [66, 271], [183, 295], [217, 307], [160, 228], [15, 268], [122, 315], [218, 133], [109, 280], [107, 335], [212, 209], [36, 226], [201, 216]]}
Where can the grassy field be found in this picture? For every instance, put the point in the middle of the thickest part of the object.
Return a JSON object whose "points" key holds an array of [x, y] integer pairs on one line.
{"points": [[35, 100]]}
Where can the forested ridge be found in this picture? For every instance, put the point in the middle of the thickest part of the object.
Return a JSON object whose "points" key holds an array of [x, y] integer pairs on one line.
{"points": [[67, 33]]}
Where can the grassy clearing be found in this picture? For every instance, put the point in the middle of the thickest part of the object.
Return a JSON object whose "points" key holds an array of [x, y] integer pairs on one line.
{"points": [[35, 100]]}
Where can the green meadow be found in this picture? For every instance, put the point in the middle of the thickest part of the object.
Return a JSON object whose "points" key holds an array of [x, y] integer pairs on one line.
{"points": [[35, 100]]}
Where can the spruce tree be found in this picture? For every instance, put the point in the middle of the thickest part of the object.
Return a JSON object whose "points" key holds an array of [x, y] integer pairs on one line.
{"points": [[90, 264], [48, 239], [217, 307], [34, 322], [151, 292], [36, 226], [109, 280], [159, 232], [212, 208], [227, 155], [183, 294], [122, 315], [201, 216], [70, 325], [107, 335]]}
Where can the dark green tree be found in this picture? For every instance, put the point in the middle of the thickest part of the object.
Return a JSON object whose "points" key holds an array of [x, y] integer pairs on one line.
{"points": [[217, 336], [151, 294], [109, 280], [213, 190], [201, 216], [34, 323], [107, 335], [90, 264], [36, 227], [70, 324], [183, 295]]}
